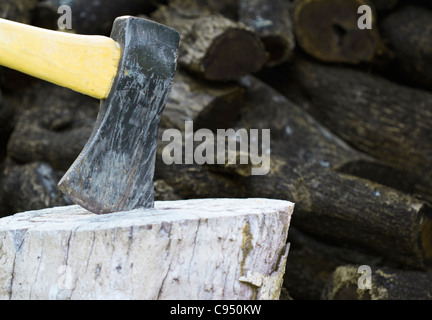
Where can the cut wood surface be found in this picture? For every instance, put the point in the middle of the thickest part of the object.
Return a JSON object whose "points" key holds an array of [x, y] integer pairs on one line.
{"points": [[212, 45], [272, 21], [328, 31], [186, 249]]}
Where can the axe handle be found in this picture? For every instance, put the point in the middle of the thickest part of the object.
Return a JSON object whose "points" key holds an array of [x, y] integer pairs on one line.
{"points": [[87, 64]]}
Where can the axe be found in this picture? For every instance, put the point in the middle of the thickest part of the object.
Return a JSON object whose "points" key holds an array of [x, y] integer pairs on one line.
{"points": [[131, 72]]}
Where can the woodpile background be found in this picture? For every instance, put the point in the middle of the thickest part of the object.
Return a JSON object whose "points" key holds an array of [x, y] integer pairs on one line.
{"points": [[350, 114]]}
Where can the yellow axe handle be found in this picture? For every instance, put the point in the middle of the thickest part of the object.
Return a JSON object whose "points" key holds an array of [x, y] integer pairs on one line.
{"points": [[86, 64]]}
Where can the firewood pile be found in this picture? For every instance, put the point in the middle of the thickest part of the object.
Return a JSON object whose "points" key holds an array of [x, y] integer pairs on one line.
{"points": [[349, 112]]}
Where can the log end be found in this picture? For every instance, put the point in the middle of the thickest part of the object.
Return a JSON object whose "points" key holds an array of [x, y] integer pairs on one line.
{"points": [[328, 31], [243, 52]]}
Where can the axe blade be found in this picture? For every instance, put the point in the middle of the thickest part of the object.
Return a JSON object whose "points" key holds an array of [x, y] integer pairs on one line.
{"points": [[115, 170]]}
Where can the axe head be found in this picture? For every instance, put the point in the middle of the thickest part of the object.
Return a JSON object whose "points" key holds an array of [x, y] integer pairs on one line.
{"points": [[115, 170]]}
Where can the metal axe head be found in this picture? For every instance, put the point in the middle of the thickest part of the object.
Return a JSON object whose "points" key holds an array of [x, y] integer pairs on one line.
{"points": [[115, 170], [132, 73]]}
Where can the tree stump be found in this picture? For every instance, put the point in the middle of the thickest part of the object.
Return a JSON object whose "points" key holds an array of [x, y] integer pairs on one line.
{"points": [[185, 249]]}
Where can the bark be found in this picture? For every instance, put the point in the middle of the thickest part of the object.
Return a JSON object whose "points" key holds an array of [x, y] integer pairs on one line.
{"points": [[321, 174], [407, 33], [190, 249], [213, 46], [90, 17], [193, 180], [29, 186], [53, 127], [6, 125], [387, 284], [328, 31], [272, 21], [388, 121], [317, 171], [208, 105], [228, 8]]}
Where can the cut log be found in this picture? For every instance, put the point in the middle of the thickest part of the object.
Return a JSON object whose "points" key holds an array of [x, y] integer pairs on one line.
{"points": [[213, 46], [328, 30], [379, 219], [272, 21], [407, 33], [209, 105], [187, 249], [386, 284], [388, 121]]}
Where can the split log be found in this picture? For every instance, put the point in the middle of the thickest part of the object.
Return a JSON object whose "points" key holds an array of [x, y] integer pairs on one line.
{"points": [[387, 284], [272, 21], [209, 105], [54, 128], [213, 46], [388, 121], [328, 31], [187, 249], [27, 187], [407, 34]]}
